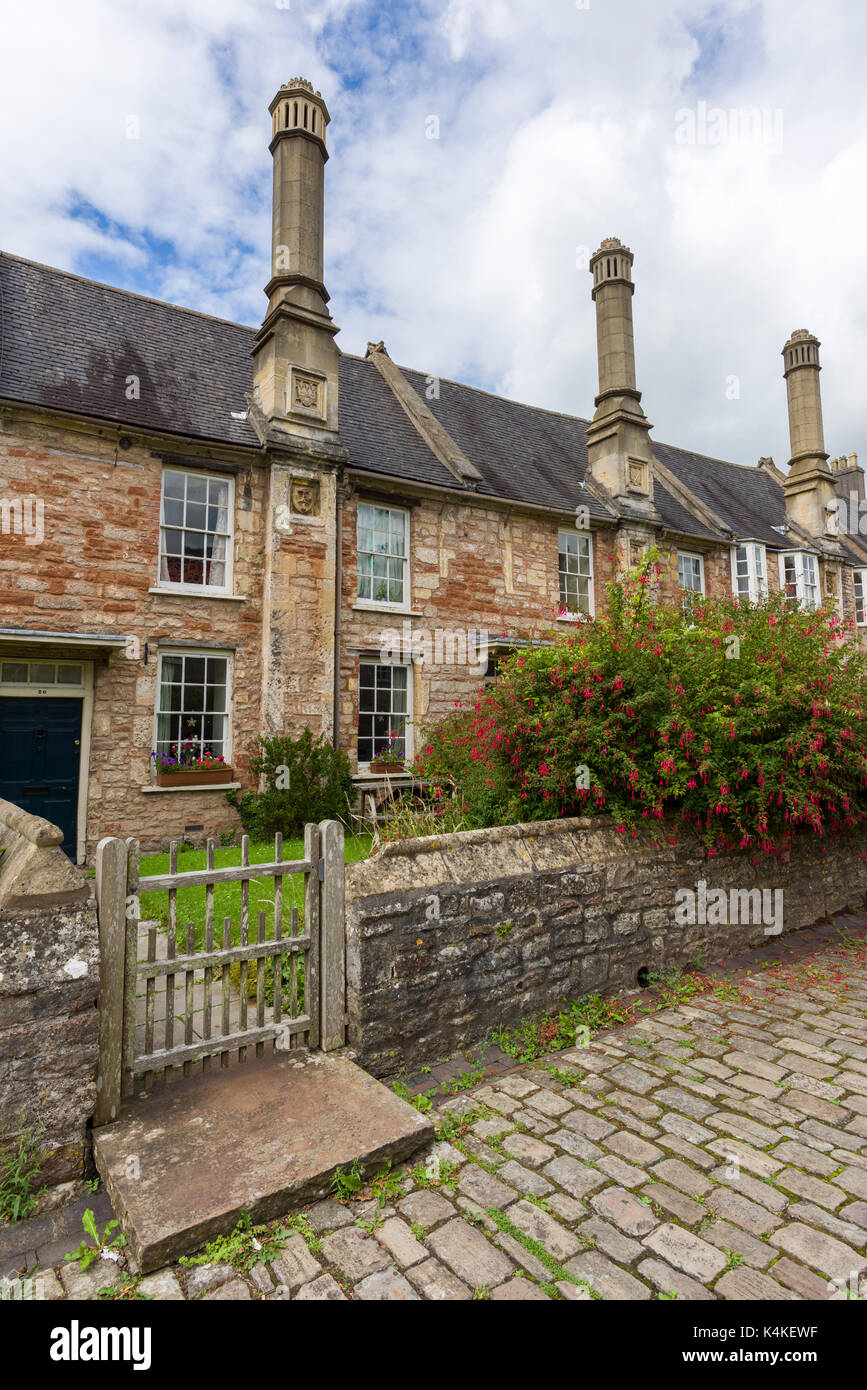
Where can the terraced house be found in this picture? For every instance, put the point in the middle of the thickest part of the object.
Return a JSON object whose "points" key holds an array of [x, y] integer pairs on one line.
{"points": [[206, 529]]}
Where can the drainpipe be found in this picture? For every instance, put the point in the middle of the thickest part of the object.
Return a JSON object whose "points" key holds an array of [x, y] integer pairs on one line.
{"points": [[338, 621]]}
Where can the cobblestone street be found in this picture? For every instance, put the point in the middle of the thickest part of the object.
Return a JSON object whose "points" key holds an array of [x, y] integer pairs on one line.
{"points": [[712, 1150]]}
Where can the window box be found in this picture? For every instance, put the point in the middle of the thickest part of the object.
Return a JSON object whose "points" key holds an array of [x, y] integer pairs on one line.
{"points": [[393, 765], [194, 776]]}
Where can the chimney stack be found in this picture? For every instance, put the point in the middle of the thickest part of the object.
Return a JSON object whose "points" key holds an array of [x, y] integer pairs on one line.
{"points": [[295, 356], [809, 486], [618, 443]]}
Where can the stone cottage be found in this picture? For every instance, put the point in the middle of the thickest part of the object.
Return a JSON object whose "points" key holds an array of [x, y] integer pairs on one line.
{"points": [[209, 530]]}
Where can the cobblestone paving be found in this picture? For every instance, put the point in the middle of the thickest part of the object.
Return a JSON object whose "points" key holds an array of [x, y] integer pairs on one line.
{"points": [[713, 1150]]}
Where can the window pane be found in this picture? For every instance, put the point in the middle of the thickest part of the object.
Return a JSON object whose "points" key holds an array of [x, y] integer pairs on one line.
{"points": [[42, 673], [14, 672], [69, 675]]}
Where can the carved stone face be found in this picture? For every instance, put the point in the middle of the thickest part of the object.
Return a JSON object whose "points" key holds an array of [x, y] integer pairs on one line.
{"points": [[304, 496]]}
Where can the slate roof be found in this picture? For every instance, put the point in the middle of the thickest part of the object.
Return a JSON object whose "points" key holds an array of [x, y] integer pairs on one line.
{"points": [[70, 343]]}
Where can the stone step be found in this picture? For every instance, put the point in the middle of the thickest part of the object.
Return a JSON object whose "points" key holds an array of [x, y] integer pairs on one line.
{"points": [[184, 1162]]}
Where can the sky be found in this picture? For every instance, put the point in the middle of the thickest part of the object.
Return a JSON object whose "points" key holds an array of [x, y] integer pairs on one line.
{"points": [[724, 141]]}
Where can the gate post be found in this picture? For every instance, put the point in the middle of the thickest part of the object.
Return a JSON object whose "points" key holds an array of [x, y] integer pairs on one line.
{"points": [[332, 944], [111, 878]]}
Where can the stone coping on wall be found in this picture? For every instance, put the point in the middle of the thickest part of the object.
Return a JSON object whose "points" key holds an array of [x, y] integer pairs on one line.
{"points": [[34, 871]]}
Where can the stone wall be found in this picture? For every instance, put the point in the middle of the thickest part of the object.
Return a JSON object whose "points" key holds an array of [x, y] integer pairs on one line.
{"points": [[448, 938], [49, 986]]}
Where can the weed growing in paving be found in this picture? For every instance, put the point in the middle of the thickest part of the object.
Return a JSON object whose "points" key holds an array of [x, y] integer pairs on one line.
{"points": [[536, 1248], [86, 1254], [346, 1184], [248, 1244], [19, 1170], [126, 1292]]}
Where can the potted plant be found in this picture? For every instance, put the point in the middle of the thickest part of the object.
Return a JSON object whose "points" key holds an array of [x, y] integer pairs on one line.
{"points": [[191, 768], [388, 760]]}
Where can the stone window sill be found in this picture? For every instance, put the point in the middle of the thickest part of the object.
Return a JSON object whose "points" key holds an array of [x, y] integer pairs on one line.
{"points": [[204, 787], [384, 608], [198, 593]]}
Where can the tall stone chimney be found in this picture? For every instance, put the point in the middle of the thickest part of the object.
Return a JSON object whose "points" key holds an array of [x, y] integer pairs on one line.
{"points": [[295, 356], [809, 486], [294, 410], [618, 443]]}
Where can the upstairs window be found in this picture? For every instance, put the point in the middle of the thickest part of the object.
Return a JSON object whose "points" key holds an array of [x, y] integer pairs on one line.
{"points": [[382, 555], [749, 572], [799, 578], [690, 575], [576, 575], [196, 531], [860, 577]]}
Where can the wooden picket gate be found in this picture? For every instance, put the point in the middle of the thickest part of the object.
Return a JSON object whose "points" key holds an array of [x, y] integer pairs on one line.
{"points": [[139, 983]]}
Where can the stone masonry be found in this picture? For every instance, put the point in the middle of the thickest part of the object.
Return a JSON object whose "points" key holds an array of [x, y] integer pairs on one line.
{"points": [[49, 983], [712, 1148], [447, 938]]}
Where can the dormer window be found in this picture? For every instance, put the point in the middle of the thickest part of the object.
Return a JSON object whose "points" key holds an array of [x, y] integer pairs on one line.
{"points": [[749, 572], [799, 578]]}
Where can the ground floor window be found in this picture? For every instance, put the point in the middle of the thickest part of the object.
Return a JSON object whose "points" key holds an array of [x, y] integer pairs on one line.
{"points": [[193, 704], [384, 694]]}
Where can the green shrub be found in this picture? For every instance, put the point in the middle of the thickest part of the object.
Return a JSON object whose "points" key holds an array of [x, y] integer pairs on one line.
{"points": [[306, 779], [745, 719]]}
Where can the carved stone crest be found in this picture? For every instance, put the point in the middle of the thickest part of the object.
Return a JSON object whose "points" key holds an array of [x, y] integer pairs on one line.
{"points": [[637, 475], [306, 392]]}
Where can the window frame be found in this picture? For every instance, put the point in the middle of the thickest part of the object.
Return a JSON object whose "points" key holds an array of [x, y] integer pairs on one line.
{"points": [[858, 579], [701, 592], [373, 604], [564, 614], [199, 590], [409, 742], [800, 559], [757, 585], [215, 653]]}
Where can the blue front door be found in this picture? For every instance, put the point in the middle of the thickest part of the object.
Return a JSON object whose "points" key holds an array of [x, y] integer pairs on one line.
{"points": [[40, 742]]}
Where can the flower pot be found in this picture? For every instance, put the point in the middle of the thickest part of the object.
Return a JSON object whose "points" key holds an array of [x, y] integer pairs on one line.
{"points": [[393, 765], [194, 776]]}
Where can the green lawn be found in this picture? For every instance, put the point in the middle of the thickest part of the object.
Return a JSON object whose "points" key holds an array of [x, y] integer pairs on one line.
{"points": [[227, 896]]}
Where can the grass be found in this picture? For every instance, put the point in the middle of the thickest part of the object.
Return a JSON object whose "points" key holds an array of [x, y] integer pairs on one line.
{"points": [[19, 1173], [227, 896]]}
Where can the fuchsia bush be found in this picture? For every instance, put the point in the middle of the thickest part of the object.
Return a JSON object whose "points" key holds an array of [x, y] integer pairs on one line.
{"points": [[747, 720]]}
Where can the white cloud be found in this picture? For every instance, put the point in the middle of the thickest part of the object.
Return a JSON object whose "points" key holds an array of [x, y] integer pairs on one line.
{"points": [[557, 127]]}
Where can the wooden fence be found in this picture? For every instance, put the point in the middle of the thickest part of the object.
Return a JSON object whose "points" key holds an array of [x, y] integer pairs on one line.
{"points": [[139, 992]]}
